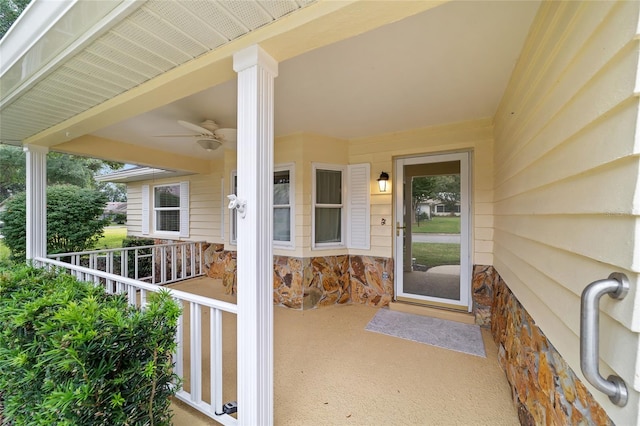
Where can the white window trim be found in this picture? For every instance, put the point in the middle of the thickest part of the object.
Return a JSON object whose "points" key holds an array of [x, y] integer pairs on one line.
{"points": [[342, 242], [291, 168], [288, 245], [183, 210]]}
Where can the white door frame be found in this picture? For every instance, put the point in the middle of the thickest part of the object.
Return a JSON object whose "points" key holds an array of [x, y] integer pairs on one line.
{"points": [[465, 226]]}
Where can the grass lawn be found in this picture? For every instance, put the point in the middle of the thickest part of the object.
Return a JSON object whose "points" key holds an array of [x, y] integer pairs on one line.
{"points": [[113, 236], [433, 254], [438, 225]]}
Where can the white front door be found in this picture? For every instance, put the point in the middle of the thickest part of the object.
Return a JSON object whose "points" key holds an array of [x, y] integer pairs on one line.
{"points": [[432, 250]]}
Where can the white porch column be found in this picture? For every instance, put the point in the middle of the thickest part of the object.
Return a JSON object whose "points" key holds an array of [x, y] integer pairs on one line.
{"points": [[36, 201], [256, 72]]}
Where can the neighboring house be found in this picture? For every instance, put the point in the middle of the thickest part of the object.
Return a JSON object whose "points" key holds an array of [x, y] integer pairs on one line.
{"points": [[115, 209], [534, 104], [437, 208]]}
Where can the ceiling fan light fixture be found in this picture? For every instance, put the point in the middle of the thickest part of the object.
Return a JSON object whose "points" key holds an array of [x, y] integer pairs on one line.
{"points": [[209, 144]]}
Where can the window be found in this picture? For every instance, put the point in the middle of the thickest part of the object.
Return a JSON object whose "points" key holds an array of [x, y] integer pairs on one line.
{"points": [[341, 206], [166, 207], [283, 211], [170, 205], [442, 208], [283, 206], [327, 205]]}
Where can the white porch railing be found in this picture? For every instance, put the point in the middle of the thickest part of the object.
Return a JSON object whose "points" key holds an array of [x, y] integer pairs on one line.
{"points": [[156, 264], [191, 367]]}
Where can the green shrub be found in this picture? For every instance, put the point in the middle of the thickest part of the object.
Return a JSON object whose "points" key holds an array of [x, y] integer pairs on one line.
{"points": [[73, 220], [70, 354]]}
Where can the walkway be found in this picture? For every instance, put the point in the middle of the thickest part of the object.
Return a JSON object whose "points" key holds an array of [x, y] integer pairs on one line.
{"points": [[436, 238]]}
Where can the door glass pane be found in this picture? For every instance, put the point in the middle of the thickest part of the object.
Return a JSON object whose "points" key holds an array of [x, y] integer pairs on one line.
{"points": [[328, 225], [281, 224], [432, 233]]}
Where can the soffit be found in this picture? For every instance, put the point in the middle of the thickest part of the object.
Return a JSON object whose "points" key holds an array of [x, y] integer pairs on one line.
{"points": [[154, 38], [448, 64]]}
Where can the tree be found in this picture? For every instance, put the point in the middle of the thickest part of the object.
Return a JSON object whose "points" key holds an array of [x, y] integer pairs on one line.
{"points": [[443, 188], [9, 12], [73, 220], [116, 192], [422, 189], [448, 188], [13, 176], [61, 169]]}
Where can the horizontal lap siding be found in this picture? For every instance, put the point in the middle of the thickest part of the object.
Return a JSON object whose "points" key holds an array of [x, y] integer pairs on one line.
{"points": [[134, 209], [204, 206], [205, 213], [381, 150], [566, 179]]}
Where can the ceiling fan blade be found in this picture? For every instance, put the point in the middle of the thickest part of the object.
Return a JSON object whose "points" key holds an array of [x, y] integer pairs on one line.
{"points": [[195, 128], [226, 135], [191, 135]]}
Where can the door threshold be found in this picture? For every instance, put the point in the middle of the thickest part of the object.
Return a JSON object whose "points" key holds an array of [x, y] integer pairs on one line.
{"points": [[411, 307]]}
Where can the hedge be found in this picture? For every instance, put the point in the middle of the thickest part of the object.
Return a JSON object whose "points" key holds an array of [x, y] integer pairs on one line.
{"points": [[70, 354]]}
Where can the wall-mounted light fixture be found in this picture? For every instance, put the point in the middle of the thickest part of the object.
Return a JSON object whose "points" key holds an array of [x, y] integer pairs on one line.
{"points": [[382, 181]]}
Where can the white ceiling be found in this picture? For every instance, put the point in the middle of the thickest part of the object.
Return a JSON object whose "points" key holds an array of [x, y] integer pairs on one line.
{"points": [[446, 65]]}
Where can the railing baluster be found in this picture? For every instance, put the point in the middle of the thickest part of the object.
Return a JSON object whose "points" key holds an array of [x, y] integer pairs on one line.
{"points": [[215, 350], [143, 298], [163, 264], [183, 261], [177, 358], [124, 260], [135, 263], [196, 352], [110, 257], [174, 263]]}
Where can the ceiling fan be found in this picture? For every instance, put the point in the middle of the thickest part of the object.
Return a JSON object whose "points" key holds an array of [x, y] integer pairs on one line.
{"points": [[207, 134]]}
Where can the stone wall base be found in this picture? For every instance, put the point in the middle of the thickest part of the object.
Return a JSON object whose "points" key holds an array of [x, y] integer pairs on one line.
{"points": [[306, 283], [545, 389]]}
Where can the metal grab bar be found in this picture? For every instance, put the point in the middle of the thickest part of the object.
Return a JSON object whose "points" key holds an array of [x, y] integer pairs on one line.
{"points": [[616, 286]]}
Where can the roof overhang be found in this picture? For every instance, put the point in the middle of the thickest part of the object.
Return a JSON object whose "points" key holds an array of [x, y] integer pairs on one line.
{"points": [[137, 174]]}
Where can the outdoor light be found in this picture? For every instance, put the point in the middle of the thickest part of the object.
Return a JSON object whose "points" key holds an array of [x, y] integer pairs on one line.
{"points": [[382, 181], [209, 144]]}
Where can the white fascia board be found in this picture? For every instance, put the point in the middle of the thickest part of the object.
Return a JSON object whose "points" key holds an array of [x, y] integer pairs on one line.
{"points": [[17, 48], [138, 174], [32, 24]]}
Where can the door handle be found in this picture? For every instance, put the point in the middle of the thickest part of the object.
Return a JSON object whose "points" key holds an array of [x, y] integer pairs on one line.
{"points": [[398, 228]]}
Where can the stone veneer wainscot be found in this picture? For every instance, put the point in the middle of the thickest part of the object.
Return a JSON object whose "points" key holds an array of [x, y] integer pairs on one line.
{"points": [[544, 388], [306, 283]]}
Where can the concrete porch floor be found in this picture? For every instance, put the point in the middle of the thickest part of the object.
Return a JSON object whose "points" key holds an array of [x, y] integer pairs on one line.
{"points": [[329, 370]]}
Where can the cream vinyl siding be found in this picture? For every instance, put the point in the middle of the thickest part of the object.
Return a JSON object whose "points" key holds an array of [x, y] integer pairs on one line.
{"points": [[134, 210], [566, 180], [379, 151], [204, 206], [317, 149]]}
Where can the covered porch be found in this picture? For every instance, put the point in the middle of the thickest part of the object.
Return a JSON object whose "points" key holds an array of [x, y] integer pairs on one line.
{"points": [[329, 370], [541, 97]]}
